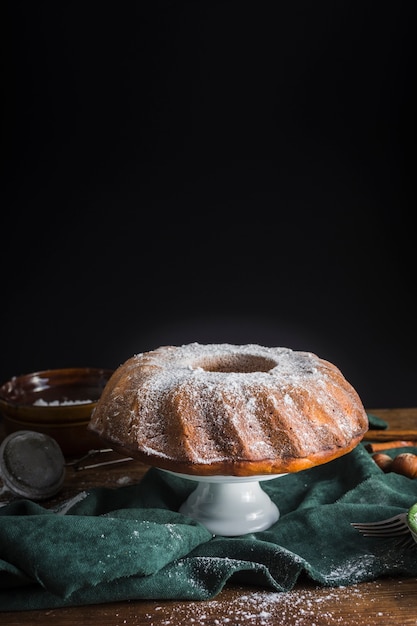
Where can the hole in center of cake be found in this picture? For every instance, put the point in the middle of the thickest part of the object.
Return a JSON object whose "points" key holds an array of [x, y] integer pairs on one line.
{"points": [[236, 363]]}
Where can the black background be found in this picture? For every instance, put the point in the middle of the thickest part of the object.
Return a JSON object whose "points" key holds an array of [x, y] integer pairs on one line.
{"points": [[210, 171]]}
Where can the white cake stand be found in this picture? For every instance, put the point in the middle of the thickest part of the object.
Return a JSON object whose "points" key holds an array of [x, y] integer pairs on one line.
{"points": [[230, 505]]}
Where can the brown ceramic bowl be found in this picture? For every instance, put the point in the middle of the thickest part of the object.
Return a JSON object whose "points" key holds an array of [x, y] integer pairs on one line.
{"points": [[56, 402]]}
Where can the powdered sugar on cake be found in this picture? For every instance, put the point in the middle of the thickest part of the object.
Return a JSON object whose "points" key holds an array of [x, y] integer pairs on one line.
{"points": [[222, 403]]}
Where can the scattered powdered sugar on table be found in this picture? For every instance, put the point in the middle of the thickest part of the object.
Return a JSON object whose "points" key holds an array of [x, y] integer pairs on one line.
{"points": [[352, 570], [305, 607], [124, 480]]}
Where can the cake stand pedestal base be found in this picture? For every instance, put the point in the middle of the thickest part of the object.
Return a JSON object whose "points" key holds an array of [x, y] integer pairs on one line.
{"points": [[231, 505]]}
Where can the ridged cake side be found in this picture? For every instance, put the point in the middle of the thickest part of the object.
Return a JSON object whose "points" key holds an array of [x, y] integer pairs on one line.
{"points": [[230, 410]]}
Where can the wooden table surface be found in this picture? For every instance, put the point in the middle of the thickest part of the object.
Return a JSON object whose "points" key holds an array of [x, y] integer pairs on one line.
{"points": [[382, 602]]}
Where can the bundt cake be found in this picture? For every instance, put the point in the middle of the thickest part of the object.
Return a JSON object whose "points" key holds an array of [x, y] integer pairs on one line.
{"points": [[232, 410]]}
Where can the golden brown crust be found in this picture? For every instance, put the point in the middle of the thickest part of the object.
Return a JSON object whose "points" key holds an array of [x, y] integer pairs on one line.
{"points": [[229, 410], [232, 467]]}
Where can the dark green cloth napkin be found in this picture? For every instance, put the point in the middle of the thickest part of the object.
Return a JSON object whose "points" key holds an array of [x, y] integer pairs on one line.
{"points": [[131, 543], [376, 423]]}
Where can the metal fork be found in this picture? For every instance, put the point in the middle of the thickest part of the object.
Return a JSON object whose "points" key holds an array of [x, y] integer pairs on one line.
{"points": [[392, 527]]}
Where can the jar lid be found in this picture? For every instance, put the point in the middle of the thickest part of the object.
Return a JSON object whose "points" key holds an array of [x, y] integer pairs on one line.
{"points": [[32, 464]]}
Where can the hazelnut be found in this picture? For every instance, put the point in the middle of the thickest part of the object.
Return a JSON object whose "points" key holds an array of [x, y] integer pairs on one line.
{"points": [[406, 464], [384, 461]]}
